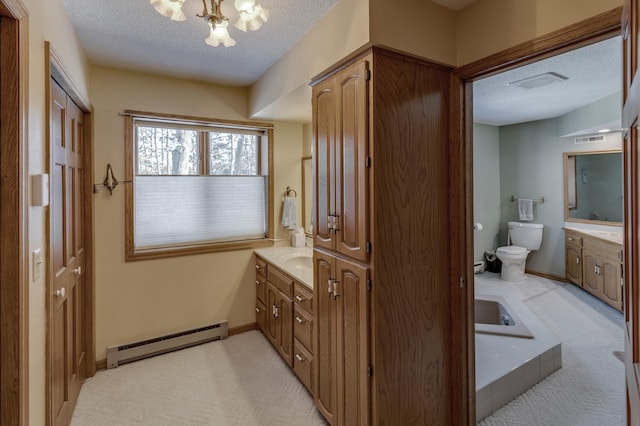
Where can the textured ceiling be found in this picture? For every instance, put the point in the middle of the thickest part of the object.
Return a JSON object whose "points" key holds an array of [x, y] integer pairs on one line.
{"points": [[130, 34], [594, 72]]}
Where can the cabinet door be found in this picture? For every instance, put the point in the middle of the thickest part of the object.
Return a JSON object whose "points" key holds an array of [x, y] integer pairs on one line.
{"points": [[284, 318], [611, 283], [325, 357], [324, 134], [271, 330], [352, 140], [573, 264], [353, 343], [590, 277]]}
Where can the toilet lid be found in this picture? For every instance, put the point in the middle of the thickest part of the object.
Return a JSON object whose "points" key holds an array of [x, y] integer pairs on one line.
{"points": [[512, 250]]}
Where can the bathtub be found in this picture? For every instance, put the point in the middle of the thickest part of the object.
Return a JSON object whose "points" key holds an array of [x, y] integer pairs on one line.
{"points": [[493, 315]]}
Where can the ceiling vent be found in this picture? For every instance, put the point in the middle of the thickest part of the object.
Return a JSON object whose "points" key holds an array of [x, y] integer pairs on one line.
{"points": [[591, 139], [539, 80]]}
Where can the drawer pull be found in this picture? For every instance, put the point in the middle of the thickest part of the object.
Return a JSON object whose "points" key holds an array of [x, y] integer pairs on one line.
{"points": [[300, 320], [299, 357], [298, 298]]}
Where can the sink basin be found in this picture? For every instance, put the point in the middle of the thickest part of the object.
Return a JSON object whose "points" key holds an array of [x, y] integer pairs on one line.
{"points": [[300, 262]]}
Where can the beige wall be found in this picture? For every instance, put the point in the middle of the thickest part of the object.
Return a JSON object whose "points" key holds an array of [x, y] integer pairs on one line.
{"points": [[418, 27], [47, 21], [150, 298], [490, 26]]}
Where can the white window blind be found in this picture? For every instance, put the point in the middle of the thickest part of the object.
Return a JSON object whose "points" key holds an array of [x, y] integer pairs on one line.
{"points": [[174, 210]]}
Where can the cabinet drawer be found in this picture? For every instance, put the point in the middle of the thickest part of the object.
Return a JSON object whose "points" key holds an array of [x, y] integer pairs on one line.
{"points": [[573, 239], [303, 365], [261, 268], [261, 288], [603, 249], [303, 327], [303, 296], [279, 279], [261, 315]]}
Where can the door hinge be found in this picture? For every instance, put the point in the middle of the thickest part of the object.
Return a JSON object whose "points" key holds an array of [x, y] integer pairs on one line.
{"points": [[368, 247], [370, 371], [369, 285], [367, 162], [367, 75], [463, 282]]}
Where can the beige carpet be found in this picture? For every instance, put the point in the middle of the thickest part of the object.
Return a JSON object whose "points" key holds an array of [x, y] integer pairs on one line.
{"points": [[237, 381]]}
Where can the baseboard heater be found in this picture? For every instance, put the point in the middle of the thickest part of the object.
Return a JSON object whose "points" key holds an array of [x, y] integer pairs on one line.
{"points": [[118, 355]]}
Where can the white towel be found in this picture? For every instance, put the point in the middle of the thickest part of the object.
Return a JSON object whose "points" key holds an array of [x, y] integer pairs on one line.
{"points": [[289, 213], [525, 208]]}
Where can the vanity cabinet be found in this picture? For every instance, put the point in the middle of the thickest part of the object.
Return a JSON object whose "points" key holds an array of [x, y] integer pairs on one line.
{"points": [[382, 253], [601, 265], [284, 313]]}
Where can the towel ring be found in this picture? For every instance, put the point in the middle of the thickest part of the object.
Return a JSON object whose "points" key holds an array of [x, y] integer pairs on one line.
{"points": [[289, 191]]}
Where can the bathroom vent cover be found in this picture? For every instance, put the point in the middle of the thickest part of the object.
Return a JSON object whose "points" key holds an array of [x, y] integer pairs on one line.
{"points": [[591, 139], [539, 80]]}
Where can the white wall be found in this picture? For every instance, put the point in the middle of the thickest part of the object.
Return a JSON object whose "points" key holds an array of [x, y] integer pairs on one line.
{"points": [[486, 188], [531, 166]]}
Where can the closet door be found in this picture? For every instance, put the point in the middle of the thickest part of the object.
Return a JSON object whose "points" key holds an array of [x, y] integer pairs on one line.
{"points": [[67, 256]]}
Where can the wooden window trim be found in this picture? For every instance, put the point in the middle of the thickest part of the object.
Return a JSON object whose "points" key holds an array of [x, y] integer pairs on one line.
{"points": [[133, 254]]}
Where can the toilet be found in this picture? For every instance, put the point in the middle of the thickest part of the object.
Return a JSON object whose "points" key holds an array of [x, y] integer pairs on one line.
{"points": [[524, 237]]}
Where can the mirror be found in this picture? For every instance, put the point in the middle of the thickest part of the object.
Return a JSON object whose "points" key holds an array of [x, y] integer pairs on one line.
{"points": [[307, 195], [593, 187]]}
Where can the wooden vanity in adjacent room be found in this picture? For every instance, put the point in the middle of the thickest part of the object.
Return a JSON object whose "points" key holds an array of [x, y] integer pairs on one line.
{"points": [[594, 261]]}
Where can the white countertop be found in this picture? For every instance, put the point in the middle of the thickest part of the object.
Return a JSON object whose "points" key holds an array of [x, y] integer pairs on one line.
{"points": [[278, 256], [614, 237]]}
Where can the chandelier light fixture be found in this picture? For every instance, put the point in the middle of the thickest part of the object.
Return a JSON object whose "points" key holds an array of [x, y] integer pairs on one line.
{"points": [[252, 16]]}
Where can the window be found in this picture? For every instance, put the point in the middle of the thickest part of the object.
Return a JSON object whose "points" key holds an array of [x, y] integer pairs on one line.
{"points": [[197, 185]]}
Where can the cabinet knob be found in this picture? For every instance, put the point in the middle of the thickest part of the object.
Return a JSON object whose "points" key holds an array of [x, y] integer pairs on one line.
{"points": [[298, 298], [569, 239], [258, 267], [258, 310], [300, 320], [78, 270], [299, 357], [577, 260], [258, 282], [60, 293]]}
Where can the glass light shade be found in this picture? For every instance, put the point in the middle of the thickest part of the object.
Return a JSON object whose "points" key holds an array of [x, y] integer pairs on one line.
{"points": [[252, 18], [220, 34], [170, 8], [244, 5]]}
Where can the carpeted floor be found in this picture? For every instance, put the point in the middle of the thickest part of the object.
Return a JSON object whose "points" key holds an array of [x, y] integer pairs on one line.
{"points": [[589, 389], [242, 380]]}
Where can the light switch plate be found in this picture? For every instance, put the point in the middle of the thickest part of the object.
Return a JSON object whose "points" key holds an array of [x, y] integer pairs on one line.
{"points": [[36, 263]]}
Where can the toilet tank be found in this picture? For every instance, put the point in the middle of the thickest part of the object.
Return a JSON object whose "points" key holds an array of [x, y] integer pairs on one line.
{"points": [[527, 235]]}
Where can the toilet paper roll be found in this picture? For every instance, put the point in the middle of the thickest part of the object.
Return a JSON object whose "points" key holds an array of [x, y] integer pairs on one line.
{"points": [[477, 226]]}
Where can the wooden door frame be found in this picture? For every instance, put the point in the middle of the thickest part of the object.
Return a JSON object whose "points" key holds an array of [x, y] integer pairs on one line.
{"points": [[589, 31], [54, 67], [14, 272]]}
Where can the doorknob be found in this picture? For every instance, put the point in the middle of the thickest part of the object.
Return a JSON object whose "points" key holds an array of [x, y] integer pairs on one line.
{"points": [[60, 293]]}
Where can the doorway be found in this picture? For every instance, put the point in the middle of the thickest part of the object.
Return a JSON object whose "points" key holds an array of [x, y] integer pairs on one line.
{"points": [[602, 27], [13, 216]]}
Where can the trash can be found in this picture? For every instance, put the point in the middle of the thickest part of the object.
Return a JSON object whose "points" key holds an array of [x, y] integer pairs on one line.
{"points": [[493, 263]]}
